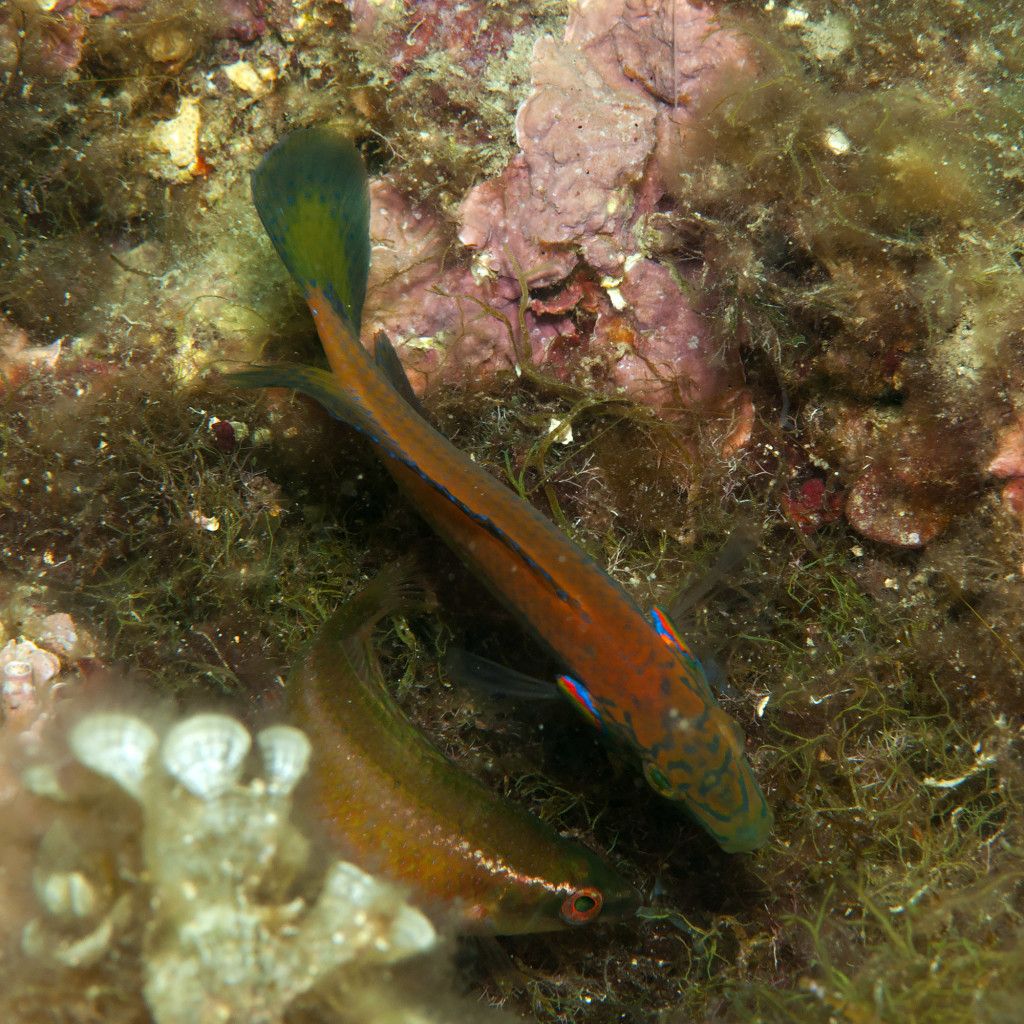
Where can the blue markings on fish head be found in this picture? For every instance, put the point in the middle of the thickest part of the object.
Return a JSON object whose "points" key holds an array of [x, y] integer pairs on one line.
{"points": [[702, 763]]}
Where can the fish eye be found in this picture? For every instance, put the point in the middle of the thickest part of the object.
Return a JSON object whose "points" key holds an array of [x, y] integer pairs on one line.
{"points": [[656, 778], [582, 905]]}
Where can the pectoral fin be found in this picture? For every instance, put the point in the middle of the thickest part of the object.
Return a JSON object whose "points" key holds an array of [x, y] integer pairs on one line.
{"points": [[494, 680]]}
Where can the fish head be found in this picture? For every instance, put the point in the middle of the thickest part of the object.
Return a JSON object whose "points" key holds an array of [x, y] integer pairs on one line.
{"points": [[701, 762], [582, 890]]}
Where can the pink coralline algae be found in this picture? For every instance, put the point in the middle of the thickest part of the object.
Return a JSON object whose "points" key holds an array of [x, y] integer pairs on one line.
{"points": [[584, 177], [672, 360], [443, 322], [1007, 464], [584, 147], [568, 214], [463, 30]]}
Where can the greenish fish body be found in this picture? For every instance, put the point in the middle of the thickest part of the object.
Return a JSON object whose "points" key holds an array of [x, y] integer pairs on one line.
{"points": [[391, 802]]}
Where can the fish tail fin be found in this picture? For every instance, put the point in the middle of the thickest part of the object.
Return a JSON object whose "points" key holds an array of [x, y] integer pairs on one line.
{"points": [[312, 194]]}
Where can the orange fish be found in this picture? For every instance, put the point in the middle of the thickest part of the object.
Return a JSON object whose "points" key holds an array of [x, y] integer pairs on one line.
{"points": [[629, 673]]}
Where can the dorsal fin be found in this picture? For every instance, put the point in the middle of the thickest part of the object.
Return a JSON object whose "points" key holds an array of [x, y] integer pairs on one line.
{"points": [[386, 358], [325, 388]]}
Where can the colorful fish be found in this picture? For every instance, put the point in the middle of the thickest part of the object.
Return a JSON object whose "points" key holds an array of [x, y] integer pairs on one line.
{"points": [[629, 673], [392, 803]]}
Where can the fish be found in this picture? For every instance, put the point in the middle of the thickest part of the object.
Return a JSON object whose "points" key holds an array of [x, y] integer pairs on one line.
{"points": [[391, 802], [629, 673]]}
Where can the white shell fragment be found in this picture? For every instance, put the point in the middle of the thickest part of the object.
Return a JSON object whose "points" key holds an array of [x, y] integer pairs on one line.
{"points": [[67, 894], [115, 745], [206, 753], [285, 751]]}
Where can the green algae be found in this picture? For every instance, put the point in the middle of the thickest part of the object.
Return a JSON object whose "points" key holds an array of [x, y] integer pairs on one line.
{"points": [[183, 553]]}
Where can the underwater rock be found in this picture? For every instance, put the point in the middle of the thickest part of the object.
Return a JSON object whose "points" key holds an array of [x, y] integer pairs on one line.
{"points": [[891, 508], [583, 182], [446, 322], [468, 33], [60, 633], [49, 39], [455, 323], [586, 134], [244, 20], [573, 197], [1007, 464]]}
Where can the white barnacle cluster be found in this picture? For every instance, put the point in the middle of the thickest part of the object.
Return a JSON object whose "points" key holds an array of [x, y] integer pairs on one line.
{"points": [[226, 939]]}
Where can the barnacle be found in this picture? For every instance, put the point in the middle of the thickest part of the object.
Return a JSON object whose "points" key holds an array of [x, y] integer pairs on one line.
{"points": [[116, 745], [229, 939], [285, 752], [205, 753]]}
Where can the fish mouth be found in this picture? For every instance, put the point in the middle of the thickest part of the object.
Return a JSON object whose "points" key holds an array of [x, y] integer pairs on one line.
{"points": [[749, 837], [621, 904]]}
